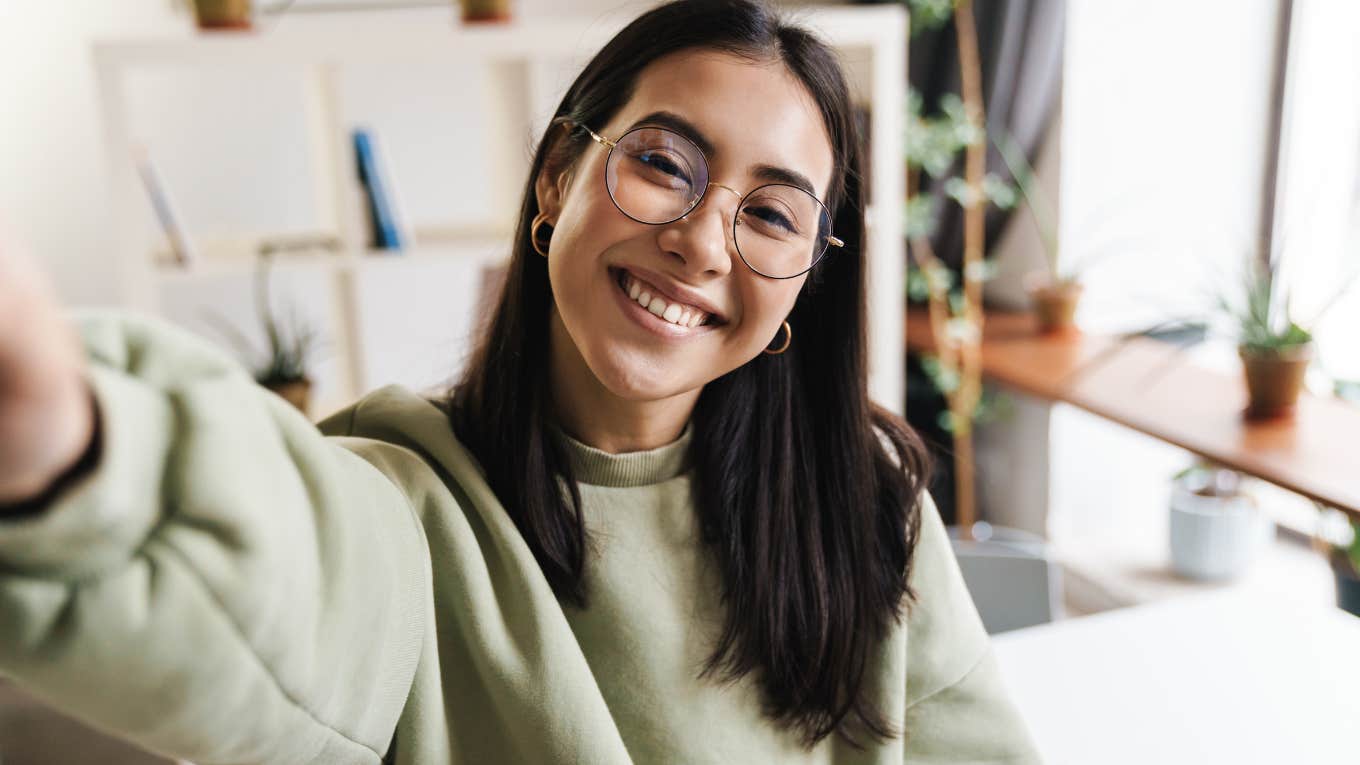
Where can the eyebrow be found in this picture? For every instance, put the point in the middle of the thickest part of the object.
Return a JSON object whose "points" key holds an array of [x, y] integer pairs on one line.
{"points": [[772, 173]]}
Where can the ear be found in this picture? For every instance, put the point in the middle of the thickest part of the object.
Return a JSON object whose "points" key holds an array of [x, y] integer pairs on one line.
{"points": [[550, 187]]}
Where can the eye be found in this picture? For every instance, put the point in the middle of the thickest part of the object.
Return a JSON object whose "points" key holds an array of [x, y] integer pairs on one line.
{"points": [[662, 163], [770, 217]]}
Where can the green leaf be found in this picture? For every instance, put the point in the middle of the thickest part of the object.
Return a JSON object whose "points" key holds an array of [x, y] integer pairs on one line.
{"points": [[918, 290], [998, 192], [957, 302], [920, 215], [927, 15], [946, 421]]}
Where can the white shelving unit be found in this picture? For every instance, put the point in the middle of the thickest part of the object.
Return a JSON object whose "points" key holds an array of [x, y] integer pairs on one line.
{"points": [[530, 63]]}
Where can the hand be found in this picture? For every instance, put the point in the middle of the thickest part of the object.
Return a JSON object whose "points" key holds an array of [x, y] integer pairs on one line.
{"points": [[46, 412]]}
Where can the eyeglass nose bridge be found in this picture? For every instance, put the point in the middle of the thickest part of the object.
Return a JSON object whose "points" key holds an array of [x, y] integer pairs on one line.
{"points": [[710, 185]]}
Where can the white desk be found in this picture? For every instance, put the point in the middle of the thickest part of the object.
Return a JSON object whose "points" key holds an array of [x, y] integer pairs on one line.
{"points": [[1219, 678]]}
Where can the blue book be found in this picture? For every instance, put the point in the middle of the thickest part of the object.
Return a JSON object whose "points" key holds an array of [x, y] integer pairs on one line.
{"points": [[386, 234]]}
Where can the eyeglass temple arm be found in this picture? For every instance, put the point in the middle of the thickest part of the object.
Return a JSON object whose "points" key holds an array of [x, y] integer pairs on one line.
{"points": [[596, 136]]}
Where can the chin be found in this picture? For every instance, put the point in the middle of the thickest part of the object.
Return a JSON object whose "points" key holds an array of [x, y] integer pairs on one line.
{"points": [[641, 377]]}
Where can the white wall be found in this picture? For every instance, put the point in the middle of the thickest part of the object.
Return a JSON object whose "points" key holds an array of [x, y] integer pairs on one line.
{"points": [[52, 167], [52, 181]]}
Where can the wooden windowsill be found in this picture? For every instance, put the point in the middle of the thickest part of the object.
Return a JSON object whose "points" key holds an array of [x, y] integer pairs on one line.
{"points": [[1151, 388]]}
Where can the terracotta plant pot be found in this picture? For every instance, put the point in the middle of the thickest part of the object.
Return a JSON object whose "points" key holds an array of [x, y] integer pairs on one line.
{"points": [[1274, 380], [223, 14], [1055, 304], [482, 11], [296, 392]]}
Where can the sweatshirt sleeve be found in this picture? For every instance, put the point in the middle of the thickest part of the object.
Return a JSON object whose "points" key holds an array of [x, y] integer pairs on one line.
{"points": [[226, 584], [958, 709]]}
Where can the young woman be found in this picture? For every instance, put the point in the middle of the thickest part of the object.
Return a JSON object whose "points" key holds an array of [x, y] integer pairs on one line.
{"points": [[657, 521]]}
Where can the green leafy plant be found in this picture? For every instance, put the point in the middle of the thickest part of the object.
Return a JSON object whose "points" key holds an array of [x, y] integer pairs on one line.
{"points": [[955, 311], [1261, 315], [1208, 478], [931, 145], [290, 342], [1038, 204], [1256, 316]]}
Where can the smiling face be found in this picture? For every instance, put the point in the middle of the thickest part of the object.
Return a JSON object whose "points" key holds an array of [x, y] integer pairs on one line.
{"points": [[709, 313]]}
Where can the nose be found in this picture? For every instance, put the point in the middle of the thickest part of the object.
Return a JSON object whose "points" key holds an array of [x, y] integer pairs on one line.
{"points": [[702, 239]]}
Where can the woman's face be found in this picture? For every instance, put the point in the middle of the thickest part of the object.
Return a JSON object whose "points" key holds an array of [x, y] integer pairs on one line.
{"points": [[752, 115]]}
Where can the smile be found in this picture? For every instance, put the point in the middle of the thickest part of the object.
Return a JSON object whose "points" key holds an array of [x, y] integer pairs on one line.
{"points": [[660, 315], [649, 298]]}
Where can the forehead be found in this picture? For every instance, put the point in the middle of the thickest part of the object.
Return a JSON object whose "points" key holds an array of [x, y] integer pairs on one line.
{"points": [[752, 112]]}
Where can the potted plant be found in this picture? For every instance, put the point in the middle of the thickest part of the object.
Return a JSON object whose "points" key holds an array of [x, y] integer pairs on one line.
{"points": [[1056, 291], [1274, 349], [291, 343], [480, 11], [222, 14], [1217, 526], [1345, 560]]}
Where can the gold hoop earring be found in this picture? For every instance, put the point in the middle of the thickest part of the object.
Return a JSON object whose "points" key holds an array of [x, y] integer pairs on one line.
{"points": [[539, 220], [788, 338]]}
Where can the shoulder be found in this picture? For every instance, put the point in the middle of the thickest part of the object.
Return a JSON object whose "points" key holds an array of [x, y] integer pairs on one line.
{"points": [[407, 436]]}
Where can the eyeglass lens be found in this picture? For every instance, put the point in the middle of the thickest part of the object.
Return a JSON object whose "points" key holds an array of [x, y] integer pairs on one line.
{"points": [[657, 176]]}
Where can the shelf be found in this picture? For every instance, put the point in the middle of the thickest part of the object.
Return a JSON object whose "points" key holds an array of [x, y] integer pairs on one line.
{"points": [[525, 66], [488, 252], [1147, 386], [426, 34]]}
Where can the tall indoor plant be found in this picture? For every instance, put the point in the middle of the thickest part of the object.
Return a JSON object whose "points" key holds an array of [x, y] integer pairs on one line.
{"points": [[956, 316]]}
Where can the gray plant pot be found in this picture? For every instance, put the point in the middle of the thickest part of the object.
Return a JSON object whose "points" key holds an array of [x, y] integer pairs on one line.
{"points": [[1347, 591], [1215, 538]]}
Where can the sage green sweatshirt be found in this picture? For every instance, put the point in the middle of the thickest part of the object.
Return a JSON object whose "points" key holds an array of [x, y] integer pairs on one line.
{"points": [[229, 585]]}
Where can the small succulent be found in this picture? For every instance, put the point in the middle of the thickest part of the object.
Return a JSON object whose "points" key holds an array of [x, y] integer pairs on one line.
{"points": [[291, 341], [1262, 316], [1207, 478]]}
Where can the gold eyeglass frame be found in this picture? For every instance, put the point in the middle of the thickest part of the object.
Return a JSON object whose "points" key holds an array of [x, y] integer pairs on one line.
{"points": [[831, 241]]}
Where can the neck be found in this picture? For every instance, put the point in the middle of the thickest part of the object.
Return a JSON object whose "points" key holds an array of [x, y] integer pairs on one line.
{"points": [[590, 413]]}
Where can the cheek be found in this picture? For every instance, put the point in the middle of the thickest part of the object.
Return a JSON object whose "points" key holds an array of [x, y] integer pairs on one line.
{"points": [[766, 305]]}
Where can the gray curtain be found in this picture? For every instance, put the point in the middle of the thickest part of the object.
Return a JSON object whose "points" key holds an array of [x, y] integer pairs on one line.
{"points": [[1021, 46]]}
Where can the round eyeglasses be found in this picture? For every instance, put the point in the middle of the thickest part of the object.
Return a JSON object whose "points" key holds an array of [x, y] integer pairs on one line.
{"points": [[657, 176]]}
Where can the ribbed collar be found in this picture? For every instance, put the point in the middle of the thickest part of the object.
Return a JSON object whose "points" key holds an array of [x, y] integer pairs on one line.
{"points": [[600, 468]]}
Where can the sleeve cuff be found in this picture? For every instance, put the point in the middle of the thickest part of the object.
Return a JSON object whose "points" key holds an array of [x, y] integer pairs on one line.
{"points": [[99, 519]]}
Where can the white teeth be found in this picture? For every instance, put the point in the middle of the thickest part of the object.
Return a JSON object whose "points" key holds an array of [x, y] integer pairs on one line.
{"points": [[675, 313]]}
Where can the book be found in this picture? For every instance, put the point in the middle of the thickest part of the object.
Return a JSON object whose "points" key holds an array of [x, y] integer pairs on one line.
{"points": [[382, 214], [183, 249]]}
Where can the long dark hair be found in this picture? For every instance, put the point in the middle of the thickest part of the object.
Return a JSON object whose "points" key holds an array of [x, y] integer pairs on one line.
{"points": [[807, 493]]}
